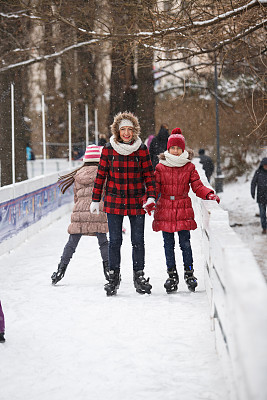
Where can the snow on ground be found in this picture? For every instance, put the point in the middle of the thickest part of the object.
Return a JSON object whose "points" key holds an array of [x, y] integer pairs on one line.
{"points": [[70, 341], [244, 218]]}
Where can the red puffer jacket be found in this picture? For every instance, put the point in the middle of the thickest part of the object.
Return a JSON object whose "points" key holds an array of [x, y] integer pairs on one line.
{"points": [[174, 210]]}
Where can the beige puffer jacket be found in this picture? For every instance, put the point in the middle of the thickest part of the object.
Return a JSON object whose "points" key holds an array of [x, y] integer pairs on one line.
{"points": [[82, 221]]}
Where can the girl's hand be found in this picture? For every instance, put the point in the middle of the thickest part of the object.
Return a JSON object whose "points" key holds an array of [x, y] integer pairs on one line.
{"points": [[212, 196], [149, 206]]}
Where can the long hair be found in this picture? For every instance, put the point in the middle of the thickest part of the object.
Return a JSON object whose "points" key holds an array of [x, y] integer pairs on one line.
{"points": [[65, 181]]}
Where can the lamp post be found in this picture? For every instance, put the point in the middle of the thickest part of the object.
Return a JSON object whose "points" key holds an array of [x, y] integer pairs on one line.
{"points": [[219, 177]]}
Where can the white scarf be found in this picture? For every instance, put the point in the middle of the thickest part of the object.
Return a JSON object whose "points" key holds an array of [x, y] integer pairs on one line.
{"points": [[123, 148], [175, 161]]}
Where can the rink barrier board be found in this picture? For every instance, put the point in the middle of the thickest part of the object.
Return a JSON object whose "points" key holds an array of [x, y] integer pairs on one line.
{"points": [[28, 206], [237, 293]]}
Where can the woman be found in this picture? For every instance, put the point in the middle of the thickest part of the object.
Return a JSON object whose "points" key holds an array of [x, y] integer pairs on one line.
{"points": [[126, 167]]}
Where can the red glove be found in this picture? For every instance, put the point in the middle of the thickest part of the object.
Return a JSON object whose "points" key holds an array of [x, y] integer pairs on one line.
{"points": [[149, 206], [212, 196]]}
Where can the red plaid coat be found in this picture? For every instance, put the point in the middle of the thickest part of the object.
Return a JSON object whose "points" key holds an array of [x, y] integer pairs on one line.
{"points": [[127, 178]]}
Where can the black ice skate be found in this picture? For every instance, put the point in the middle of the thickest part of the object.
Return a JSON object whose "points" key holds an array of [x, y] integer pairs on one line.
{"points": [[57, 276], [114, 279], [190, 279], [2, 337], [141, 284], [171, 284], [106, 269]]}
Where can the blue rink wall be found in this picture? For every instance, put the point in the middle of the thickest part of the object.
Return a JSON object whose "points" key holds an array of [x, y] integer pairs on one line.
{"points": [[19, 213], [28, 206]]}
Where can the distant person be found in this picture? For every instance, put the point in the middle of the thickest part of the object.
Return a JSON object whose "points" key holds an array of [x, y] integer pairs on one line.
{"points": [[149, 140], [175, 174], [102, 140], [260, 181], [29, 153], [158, 144], [207, 163], [82, 221], [77, 153], [2, 325]]}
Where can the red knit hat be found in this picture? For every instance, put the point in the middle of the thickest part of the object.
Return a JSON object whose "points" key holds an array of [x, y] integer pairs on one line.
{"points": [[176, 139], [92, 153]]}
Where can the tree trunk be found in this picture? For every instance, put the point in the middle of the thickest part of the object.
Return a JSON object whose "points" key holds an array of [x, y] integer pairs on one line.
{"points": [[145, 92], [122, 91]]}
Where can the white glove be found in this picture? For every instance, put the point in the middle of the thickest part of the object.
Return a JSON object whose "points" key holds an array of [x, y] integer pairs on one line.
{"points": [[94, 207]]}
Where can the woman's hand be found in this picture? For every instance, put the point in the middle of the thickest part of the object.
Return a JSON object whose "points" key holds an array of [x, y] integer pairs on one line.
{"points": [[94, 207]]}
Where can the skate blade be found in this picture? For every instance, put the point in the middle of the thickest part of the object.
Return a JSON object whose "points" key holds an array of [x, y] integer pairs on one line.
{"points": [[171, 290], [110, 292], [140, 291], [192, 288], [54, 278]]}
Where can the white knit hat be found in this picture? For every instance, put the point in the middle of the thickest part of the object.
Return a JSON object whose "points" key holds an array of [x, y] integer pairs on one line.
{"points": [[92, 153], [125, 122]]}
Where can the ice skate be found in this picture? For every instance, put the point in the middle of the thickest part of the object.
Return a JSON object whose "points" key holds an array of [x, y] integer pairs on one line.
{"points": [[141, 284], [2, 337], [171, 284], [57, 276], [106, 269], [190, 279], [113, 284]]}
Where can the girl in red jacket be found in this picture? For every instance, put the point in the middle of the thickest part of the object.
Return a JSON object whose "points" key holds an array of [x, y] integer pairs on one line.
{"points": [[174, 213]]}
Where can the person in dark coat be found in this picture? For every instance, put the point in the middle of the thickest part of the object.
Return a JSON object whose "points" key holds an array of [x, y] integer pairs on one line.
{"points": [[158, 144], [102, 140], [260, 181], [2, 325], [206, 162], [175, 175]]}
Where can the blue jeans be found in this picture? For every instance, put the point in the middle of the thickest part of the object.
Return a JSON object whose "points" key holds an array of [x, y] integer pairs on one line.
{"points": [[169, 245], [73, 241], [137, 238], [262, 208]]}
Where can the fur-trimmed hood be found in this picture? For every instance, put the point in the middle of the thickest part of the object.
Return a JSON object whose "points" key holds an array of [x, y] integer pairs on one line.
{"points": [[117, 119], [161, 156]]}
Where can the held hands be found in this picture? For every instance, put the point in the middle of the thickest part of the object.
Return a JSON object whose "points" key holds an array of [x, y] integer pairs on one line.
{"points": [[212, 196], [94, 207], [149, 206]]}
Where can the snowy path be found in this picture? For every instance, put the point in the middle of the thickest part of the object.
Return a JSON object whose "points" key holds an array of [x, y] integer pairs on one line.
{"points": [[236, 199], [70, 341]]}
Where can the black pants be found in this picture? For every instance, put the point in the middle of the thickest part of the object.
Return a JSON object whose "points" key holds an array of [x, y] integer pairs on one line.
{"points": [[137, 237], [73, 241]]}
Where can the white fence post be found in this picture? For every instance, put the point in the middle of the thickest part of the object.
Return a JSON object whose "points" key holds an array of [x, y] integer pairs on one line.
{"points": [[44, 136], [86, 126], [69, 113], [96, 127], [13, 134]]}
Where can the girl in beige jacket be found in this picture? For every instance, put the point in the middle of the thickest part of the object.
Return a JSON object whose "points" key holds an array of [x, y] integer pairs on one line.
{"points": [[82, 221]]}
